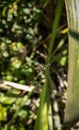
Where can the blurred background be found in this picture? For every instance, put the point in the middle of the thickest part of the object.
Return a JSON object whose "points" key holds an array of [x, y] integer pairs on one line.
{"points": [[25, 33]]}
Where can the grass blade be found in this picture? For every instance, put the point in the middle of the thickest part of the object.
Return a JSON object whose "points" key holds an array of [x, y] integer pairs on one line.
{"points": [[72, 105], [42, 118], [55, 26]]}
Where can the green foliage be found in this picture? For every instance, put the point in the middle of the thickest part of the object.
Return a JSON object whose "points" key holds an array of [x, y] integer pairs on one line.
{"points": [[19, 33], [42, 122], [72, 106], [32, 51], [42, 119], [19, 37]]}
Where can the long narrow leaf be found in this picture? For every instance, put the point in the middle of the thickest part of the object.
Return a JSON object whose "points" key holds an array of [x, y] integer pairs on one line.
{"points": [[55, 26], [72, 105], [42, 118]]}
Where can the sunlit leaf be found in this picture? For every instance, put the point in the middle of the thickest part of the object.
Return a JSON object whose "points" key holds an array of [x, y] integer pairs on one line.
{"points": [[72, 105]]}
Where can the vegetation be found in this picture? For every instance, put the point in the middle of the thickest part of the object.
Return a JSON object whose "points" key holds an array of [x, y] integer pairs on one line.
{"points": [[34, 65], [73, 78]]}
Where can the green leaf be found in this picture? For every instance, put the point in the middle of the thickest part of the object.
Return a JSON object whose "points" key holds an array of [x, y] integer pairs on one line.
{"points": [[55, 26], [42, 117], [3, 113], [72, 105]]}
